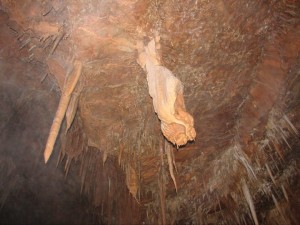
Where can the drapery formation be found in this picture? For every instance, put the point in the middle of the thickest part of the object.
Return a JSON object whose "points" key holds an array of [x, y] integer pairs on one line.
{"points": [[166, 90]]}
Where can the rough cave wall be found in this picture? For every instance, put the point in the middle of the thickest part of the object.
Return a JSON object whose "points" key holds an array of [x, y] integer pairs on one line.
{"points": [[239, 63]]}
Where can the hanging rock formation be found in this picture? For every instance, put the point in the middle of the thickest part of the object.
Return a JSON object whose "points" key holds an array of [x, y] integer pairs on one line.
{"points": [[239, 64], [166, 91]]}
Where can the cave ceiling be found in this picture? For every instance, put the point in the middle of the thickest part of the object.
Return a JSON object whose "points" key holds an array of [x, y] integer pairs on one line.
{"points": [[238, 62]]}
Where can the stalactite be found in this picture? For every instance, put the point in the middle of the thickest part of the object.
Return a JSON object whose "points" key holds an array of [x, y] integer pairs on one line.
{"points": [[270, 174], [249, 200], [69, 86], [285, 193], [168, 150], [161, 185], [294, 129], [279, 208], [71, 110], [58, 38]]}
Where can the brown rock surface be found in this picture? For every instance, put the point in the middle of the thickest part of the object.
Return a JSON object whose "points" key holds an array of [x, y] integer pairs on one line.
{"points": [[239, 64]]}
